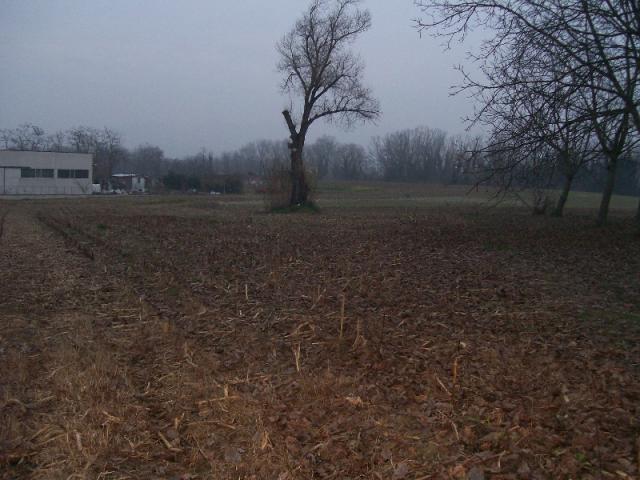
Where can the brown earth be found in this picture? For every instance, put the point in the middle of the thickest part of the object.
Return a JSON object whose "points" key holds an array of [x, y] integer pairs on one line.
{"points": [[196, 338]]}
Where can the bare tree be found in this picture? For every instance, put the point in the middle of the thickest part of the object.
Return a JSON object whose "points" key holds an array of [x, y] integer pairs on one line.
{"points": [[109, 153], [322, 154], [270, 153], [420, 154], [105, 145], [24, 137], [320, 69], [146, 160], [83, 139], [523, 118], [613, 136], [351, 162], [57, 142], [585, 37], [589, 48], [5, 138]]}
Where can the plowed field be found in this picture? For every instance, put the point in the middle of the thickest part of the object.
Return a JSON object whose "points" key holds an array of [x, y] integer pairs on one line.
{"points": [[200, 338]]}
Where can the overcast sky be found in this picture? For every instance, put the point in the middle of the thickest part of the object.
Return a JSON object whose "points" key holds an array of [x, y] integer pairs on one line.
{"points": [[201, 73]]}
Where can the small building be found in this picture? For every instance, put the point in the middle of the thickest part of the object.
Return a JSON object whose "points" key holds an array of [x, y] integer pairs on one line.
{"points": [[45, 173], [129, 182], [254, 181]]}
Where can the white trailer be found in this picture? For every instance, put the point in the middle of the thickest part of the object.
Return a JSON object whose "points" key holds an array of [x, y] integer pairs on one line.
{"points": [[45, 173]]}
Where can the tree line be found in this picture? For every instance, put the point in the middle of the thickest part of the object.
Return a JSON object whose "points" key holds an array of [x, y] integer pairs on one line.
{"points": [[421, 154], [412, 155]]}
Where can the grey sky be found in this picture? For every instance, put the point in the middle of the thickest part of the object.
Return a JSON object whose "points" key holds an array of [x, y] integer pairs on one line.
{"points": [[201, 73]]}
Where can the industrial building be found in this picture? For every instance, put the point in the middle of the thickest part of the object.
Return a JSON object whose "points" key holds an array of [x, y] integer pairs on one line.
{"points": [[45, 173]]}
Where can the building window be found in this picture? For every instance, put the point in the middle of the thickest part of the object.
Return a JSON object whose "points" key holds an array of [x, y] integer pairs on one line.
{"points": [[36, 172], [73, 173]]}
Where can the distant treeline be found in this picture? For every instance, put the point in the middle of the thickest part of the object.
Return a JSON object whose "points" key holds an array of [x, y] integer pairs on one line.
{"points": [[422, 154], [413, 155]]}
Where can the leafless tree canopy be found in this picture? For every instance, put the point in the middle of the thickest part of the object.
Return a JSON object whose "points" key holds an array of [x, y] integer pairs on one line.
{"points": [[319, 67], [421, 154], [24, 137]]}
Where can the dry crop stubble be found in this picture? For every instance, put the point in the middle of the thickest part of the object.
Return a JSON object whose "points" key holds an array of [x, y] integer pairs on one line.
{"points": [[233, 344]]}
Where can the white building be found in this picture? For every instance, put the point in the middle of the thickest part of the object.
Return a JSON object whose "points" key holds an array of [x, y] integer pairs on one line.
{"points": [[45, 173], [129, 182]]}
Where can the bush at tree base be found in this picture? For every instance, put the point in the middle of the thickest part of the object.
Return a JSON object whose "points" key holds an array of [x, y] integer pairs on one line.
{"points": [[277, 187]]}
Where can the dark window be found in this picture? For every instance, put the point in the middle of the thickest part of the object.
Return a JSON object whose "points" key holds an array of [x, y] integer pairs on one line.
{"points": [[73, 173], [36, 172]]}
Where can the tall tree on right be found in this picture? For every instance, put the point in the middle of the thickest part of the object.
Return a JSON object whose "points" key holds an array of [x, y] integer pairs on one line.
{"points": [[588, 47]]}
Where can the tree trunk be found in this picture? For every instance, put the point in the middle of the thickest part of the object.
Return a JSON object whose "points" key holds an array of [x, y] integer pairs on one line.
{"points": [[638, 214], [608, 191], [299, 186], [564, 196]]}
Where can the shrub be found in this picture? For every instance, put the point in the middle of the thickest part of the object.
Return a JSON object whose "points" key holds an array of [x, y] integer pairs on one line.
{"points": [[277, 188], [193, 183], [233, 184], [174, 181]]}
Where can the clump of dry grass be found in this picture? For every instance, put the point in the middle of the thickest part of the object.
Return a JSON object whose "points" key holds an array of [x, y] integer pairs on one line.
{"points": [[278, 185]]}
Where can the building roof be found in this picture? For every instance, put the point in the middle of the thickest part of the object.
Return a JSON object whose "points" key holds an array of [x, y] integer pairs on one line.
{"points": [[62, 152]]}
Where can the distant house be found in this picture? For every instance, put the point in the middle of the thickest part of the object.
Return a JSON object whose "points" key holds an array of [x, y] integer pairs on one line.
{"points": [[129, 182], [254, 180], [45, 173]]}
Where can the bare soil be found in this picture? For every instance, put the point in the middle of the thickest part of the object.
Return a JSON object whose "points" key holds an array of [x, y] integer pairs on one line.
{"points": [[199, 338]]}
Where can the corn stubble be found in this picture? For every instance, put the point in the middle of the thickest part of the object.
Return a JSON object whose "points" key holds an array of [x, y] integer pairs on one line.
{"points": [[218, 343]]}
